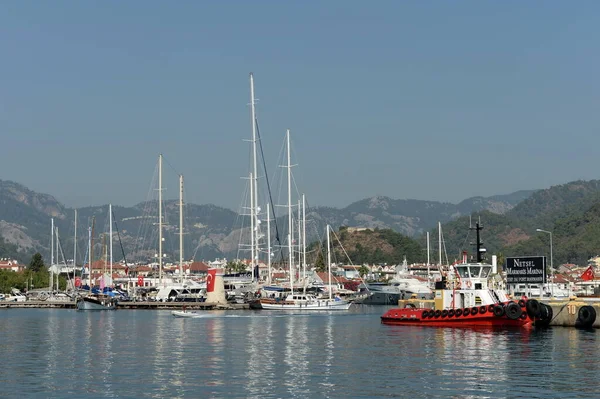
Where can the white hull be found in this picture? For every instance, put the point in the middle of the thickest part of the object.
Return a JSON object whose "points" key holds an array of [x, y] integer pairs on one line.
{"points": [[95, 304], [324, 304], [184, 314]]}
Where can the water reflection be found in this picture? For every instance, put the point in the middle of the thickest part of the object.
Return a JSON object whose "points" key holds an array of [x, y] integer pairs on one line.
{"points": [[134, 354], [259, 352], [215, 354]]}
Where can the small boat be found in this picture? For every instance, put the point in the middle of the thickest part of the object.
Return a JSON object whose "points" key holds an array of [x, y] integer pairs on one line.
{"points": [[96, 302], [186, 314], [464, 298]]}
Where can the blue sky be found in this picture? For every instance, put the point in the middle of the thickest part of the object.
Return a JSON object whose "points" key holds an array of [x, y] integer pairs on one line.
{"points": [[424, 100]]}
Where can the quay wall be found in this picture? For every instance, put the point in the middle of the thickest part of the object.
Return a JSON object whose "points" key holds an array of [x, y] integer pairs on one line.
{"points": [[125, 305]]}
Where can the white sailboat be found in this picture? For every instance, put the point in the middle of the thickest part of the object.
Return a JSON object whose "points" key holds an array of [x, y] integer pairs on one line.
{"points": [[302, 300], [93, 301]]}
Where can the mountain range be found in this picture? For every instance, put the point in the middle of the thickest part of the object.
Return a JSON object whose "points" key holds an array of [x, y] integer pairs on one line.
{"points": [[210, 231]]}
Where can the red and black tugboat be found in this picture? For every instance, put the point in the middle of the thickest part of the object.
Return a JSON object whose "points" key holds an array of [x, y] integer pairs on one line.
{"points": [[464, 298]]}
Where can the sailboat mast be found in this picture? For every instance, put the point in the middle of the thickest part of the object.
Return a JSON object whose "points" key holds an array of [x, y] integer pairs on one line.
{"points": [[428, 257], [254, 178], [181, 227], [104, 254], [160, 230], [110, 243], [75, 246], [290, 224], [268, 244], [329, 261], [92, 248], [252, 232], [90, 257], [51, 253], [57, 270], [440, 243], [300, 243], [304, 241]]}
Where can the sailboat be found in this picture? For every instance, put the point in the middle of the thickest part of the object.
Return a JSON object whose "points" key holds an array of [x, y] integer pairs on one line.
{"points": [[169, 290], [302, 300], [98, 300]]}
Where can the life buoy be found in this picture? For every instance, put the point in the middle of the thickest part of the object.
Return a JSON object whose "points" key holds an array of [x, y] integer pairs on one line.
{"points": [[458, 312], [451, 313], [444, 313], [586, 317], [513, 311], [533, 308], [498, 310], [482, 309], [474, 310]]}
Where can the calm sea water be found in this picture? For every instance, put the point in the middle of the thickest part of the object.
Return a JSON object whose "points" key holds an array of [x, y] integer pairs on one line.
{"points": [[260, 354]]}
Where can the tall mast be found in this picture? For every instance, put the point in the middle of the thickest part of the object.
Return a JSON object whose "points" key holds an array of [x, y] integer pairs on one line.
{"points": [[440, 243], [428, 257], [254, 177], [290, 225], [104, 254], [252, 225], [52, 254], [57, 270], [92, 249], [110, 243], [304, 241], [181, 227], [160, 230], [329, 261], [300, 243], [75, 245], [90, 257], [268, 245]]}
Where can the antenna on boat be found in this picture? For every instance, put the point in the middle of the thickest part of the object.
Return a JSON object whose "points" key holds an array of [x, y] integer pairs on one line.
{"points": [[478, 243]]}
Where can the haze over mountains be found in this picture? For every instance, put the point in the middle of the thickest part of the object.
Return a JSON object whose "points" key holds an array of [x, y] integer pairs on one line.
{"points": [[571, 211], [211, 231]]}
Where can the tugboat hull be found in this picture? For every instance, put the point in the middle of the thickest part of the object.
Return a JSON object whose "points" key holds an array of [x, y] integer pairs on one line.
{"points": [[511, 314]]}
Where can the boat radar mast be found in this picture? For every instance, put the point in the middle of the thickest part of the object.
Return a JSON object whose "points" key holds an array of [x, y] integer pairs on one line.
{"points": [[478, 244]]}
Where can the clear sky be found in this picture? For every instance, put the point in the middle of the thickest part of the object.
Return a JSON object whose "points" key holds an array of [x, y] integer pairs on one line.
{"points": [[409, 99]]}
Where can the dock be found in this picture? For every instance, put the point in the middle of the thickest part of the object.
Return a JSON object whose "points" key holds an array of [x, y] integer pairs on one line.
{"points": [[128, 305]]}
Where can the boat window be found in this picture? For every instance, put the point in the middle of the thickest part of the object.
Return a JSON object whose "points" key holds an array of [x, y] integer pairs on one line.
{"points": [[485, 271], [462, 271], [473, 271]]}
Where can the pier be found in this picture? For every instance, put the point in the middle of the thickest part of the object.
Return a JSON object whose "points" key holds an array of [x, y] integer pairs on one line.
{"points": [[128, 305]]}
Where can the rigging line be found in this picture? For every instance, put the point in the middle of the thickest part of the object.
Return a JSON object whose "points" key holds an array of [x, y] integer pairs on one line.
{"points": [[171, 165], [262, 155], [64, 259], [121, 244]]}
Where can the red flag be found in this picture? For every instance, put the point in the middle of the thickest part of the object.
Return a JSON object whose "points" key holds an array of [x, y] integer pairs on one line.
{"points": [[210, 280], [126, 270], [141, 280], [588, 274], [77, 282]]}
